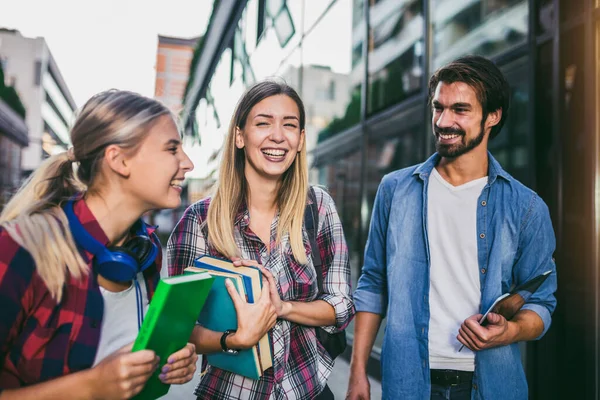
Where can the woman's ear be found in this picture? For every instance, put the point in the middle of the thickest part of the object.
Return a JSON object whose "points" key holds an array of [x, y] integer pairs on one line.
{"points": [[116, 160], [239, 138], [301, 141]]}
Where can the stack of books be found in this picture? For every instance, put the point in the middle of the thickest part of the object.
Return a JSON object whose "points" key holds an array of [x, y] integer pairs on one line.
{"points": [[218, 314]]}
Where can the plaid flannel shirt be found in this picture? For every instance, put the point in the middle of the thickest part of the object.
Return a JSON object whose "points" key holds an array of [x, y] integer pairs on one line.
{"points": [[301, 365], [41, 339]]}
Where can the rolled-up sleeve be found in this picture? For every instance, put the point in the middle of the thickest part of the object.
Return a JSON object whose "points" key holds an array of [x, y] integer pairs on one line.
{"points": [[536, 247], [186, 243], [371, 293], [337, 289]]}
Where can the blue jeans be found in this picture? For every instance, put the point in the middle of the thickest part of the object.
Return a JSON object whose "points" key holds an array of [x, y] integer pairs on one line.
{"points": [[461, 391]]}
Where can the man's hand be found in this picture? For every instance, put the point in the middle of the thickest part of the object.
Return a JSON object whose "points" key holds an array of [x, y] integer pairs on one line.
{"points": [[359, 387], [497, 332]]}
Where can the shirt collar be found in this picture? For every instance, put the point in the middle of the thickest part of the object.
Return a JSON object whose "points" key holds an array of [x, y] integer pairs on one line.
{"points": [[495, 170], [242, 216], [89, 221], [91, 225]]}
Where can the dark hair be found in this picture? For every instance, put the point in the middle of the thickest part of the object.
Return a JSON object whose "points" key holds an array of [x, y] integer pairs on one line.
{"points": [[491, 88], [260, 91]]}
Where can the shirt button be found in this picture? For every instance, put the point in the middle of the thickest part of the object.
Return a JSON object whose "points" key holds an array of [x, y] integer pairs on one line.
{"points": [[94, 324], [474, 387], [483, 203], [483, 270], [482, 235], [422, 331]]}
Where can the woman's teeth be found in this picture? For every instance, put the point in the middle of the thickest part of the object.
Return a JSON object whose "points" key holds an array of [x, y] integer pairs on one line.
{"points": [[274, 153]]}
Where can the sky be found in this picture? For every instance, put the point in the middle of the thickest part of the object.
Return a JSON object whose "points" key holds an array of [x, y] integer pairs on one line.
{"points": [[100, 45]]}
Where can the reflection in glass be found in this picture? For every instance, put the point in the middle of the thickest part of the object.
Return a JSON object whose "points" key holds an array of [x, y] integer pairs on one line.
{"points": [[342, 180], [383, 157], [331, 82], [545, 16], [511, 147], [313, 10], [284, 26], [395, 51], [485, 27]]}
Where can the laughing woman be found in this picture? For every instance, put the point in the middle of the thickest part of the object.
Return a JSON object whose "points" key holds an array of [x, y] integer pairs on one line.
{"points": [[256, 218], [78, 266]]}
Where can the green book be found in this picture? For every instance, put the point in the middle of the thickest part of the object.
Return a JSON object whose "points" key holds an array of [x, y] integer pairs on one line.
{"points": [[170, 321]]}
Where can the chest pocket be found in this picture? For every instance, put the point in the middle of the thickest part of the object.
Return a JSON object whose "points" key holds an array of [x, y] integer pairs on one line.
{"points": [[301, 280]]}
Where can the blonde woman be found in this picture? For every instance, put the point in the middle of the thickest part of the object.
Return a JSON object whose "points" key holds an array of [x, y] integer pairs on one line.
{"points": [[256, 218], [77, 264]]}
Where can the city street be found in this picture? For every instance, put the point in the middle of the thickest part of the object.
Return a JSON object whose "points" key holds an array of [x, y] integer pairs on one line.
{"points": [[338, 382]]}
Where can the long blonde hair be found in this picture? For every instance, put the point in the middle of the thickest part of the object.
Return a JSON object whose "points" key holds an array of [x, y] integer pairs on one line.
{"points": [[34, 217], [232, 190]]}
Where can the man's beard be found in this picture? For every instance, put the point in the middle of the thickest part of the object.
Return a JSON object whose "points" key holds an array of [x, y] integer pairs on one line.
{"points": [[456, 149]]}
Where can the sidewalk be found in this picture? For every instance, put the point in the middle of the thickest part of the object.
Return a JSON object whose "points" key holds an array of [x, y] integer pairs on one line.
{"points": [[338, 382]]}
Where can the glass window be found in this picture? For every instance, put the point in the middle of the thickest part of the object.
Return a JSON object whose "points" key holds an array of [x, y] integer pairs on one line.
{"points": [[328, 56], [342, 180], [395, 51], [241, 64], [313, 10], [284, 18], [388, 154], [252, 25], [280, 38], [10, 168], [485, 27], [512, 147], [284, 26], [545, 16]]}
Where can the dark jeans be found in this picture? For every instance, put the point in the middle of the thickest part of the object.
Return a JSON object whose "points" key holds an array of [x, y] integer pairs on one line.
{"points": [[462, 391], [326, 394]]}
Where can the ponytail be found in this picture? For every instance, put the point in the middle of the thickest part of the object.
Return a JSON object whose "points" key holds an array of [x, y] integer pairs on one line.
{"points": [[35, 220], [34, 217]]}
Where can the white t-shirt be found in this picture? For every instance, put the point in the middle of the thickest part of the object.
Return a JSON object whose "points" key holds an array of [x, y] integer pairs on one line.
{"points": [[454, 293], [120, 319]]}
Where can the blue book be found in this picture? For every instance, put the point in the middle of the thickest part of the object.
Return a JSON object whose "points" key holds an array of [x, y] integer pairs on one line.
{"points": [[249, 274], [218, 314]]}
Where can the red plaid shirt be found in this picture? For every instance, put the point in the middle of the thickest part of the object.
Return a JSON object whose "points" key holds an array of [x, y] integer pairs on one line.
{"points": [[41, 339]]}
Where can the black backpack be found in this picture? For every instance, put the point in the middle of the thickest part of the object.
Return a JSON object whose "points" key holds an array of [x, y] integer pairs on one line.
{"points": [[334, 343]]}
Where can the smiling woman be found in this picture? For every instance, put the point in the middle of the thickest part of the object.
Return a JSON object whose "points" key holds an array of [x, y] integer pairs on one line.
{"points": [[78, 265], [256, 218]]}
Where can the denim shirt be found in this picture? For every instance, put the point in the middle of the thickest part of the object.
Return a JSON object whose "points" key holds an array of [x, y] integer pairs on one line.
{"points": [[515, 242]]}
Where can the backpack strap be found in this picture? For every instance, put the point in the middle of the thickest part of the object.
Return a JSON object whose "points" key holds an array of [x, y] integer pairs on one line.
{"points": [[311, 222]]}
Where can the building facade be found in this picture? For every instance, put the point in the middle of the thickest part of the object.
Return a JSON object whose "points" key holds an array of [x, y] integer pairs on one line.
{"points": [[31, 69], [173, 58], [13, 138], [384, 52]]}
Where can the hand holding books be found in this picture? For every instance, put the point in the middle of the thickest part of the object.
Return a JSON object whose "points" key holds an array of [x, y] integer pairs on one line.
{"points": [[279, 304], [250, 313], [254, 320]]}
